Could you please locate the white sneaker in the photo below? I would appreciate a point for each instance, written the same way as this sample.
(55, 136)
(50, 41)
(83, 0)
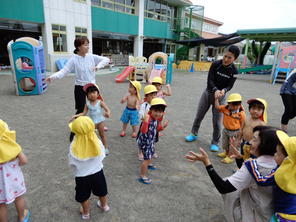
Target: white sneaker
(107, 151)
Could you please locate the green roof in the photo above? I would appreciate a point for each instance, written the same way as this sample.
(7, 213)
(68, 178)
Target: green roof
(274, 34)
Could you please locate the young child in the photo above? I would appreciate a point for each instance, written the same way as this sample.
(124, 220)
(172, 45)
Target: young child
(157, 82)
(86, 154)
(150, 92)
(147, 135)
(12, 185)
(130, 113)
(258, 117)
(233, 119)
(97, 110)
(283, 178)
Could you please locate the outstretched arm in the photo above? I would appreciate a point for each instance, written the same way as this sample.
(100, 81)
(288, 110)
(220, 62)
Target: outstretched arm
(169, 90)
(221, 185)
(107, 113)
(85, 110)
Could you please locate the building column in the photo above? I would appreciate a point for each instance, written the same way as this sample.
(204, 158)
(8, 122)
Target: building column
(139, 39)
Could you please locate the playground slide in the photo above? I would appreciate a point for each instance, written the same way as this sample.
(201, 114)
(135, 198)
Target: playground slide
(125, 73)
(155, 73)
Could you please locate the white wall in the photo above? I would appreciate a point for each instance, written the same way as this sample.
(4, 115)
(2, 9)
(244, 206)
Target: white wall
(71, 14)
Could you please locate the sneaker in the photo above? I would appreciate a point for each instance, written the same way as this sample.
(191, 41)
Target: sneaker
(107, 151)
(227, 160)
(222, 155)
(214, 148)
(190, 138)
(104, 209)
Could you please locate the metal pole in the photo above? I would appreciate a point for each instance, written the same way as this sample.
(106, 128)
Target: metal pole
(190, 18)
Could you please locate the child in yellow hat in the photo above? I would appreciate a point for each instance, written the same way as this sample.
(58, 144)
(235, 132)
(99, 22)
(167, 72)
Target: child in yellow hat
(283, 178)
(96, 109)
(131, 113)
(233, 119)
(258, 117)
(147, 136)
(86, 154)
(12, 184)
(157, 82)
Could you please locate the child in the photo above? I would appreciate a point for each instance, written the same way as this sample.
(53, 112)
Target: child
(258, 117)
(147, 135)
(95, 106)
(233, 119)
(157, 82)
(130, 113)
(86, 154)
(283, 179)
(12, 185)
(150, 92)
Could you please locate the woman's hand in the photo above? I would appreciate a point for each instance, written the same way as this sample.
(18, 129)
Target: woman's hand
(202, 156)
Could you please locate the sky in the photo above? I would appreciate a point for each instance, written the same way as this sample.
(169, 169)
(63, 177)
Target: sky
(250, 14)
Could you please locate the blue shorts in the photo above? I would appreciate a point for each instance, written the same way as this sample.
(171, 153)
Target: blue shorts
(130, 115)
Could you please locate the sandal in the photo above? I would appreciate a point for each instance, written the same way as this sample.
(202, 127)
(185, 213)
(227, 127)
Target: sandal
(27, 217)
(134, 135)
(151, 167)
(122, 134)
(155, 156)
(84, 216)
(145, 180)
(104, 209)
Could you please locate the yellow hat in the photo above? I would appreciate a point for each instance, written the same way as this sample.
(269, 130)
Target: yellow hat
(157, 80)
(234, 97)
(9, 149)
(285, 176)
(138, 87)
(158, 101)
(149, 89)
(86, 143)
(263, 101)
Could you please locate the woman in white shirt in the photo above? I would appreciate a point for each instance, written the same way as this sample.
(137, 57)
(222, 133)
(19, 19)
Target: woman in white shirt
(243, 199)
(84, 65)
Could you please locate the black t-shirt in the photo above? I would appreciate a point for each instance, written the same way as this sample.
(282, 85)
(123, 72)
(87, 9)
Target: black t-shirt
(221, 77)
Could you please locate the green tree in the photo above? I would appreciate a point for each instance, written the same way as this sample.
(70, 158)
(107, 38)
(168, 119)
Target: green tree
(257, 52)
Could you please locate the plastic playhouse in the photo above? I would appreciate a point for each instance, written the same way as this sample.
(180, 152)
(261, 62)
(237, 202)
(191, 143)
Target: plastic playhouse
(160, 64)
(28, 66)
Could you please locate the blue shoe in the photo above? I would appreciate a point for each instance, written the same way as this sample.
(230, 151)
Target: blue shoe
(190, 138)
(151, 167)
(214, 148)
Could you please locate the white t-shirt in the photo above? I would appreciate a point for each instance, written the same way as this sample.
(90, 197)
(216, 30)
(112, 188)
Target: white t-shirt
(87, 167)
(145, 107)
(83, 67)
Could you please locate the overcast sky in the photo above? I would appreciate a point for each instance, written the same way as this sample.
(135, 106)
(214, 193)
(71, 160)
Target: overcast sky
(250, 14)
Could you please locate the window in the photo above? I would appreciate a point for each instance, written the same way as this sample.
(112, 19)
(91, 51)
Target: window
(108, 4)
(97, 2)
(159, 9)
(59, 37)
(125, 6)
(119, 5)
(82, 1)
(79, 32)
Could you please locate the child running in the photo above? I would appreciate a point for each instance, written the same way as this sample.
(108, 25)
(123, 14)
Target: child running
(258, 117)
(131, 113)
(283, 178)
(147, 135)
(233, 119)
(12, 184)
(150, 92)
(157, 82)
(86, 154)
(97, 110)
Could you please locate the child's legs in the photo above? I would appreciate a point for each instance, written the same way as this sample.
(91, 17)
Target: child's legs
(103, 201)
(225, 141)
(99, 187)
(20, 207)
(3, 213)
(100, 126)
(124, 126)
(85, 207)
(144, 168)
(135, 129)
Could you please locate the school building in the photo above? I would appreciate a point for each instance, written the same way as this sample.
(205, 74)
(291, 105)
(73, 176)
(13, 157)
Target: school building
(115, 27)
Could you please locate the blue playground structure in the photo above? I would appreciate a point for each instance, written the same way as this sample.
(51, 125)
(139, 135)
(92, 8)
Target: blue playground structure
(169, 75)
(28, 66)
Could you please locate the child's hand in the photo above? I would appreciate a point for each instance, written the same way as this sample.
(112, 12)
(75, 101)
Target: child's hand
(233, 152)
(95, 69)
(22, 159)
(48, 80)
(107, 114)
(165, 124)
(72, 118)
(202, 156)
